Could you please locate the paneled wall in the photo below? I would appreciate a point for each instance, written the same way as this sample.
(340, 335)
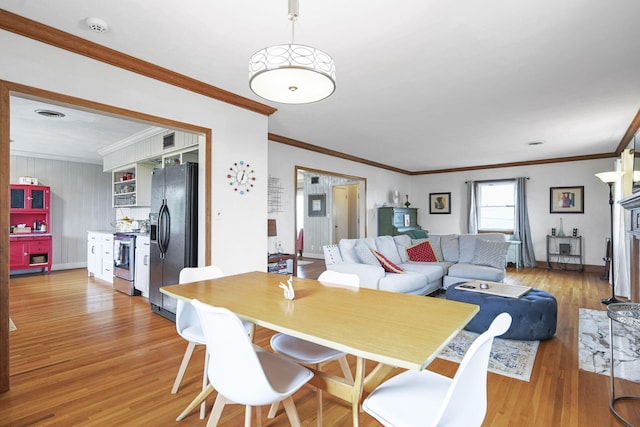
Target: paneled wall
(80, 201)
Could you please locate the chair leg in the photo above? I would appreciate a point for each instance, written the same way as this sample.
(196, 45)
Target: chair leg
(216, 412)
(183, 366)
(346, 371)
(247, 416)
(292, 413)
(258, 416)
(195, 402)
(205, 382)
(319, 403)
(273, 410)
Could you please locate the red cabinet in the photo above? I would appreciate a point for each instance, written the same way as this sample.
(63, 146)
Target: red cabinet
(27, 252)
(29, 198)
(30, 227)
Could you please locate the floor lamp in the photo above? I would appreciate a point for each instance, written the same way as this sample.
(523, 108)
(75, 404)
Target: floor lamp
(610, 178)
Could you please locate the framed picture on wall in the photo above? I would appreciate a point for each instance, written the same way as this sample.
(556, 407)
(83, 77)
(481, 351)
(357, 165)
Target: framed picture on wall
(317, 205)
(566, 199)
(439, 203)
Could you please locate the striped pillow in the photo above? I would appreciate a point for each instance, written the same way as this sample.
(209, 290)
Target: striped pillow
(388, 266)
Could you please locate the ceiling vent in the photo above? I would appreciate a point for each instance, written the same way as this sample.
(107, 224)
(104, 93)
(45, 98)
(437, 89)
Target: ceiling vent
(97, 25)
(51, 114)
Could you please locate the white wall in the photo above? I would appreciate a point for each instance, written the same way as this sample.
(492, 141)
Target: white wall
(593, 225)
(239, 235)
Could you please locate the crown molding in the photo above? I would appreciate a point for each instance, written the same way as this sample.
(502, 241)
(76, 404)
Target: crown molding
(63, 40)
(303, 145)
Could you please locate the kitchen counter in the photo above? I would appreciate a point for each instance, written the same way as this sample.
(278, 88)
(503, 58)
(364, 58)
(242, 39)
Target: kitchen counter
(18, 235)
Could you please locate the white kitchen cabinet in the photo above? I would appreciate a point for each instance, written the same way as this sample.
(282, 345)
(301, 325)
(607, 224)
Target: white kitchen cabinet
(106, 272)
(132, 185)
(180, 157)
(100, 255)
(94, 254)
(141, 282)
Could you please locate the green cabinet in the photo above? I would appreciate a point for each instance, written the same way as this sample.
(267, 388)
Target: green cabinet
(393, 221)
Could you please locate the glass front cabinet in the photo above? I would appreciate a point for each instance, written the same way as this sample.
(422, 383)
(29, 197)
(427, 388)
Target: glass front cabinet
(30, 243)
(29, 198)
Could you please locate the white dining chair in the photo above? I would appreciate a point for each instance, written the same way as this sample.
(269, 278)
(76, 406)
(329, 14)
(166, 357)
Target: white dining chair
(188, 324)
(309, 353)
(425, 398)
(245, 374)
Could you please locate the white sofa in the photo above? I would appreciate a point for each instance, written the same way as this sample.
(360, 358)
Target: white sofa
(462, 260)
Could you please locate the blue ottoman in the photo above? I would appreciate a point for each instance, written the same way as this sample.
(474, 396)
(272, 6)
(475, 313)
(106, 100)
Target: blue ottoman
(534, 315)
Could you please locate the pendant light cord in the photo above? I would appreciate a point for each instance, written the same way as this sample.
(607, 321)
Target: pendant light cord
(293, 17)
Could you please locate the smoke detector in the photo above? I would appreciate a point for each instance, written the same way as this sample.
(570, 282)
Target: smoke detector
(97, 25)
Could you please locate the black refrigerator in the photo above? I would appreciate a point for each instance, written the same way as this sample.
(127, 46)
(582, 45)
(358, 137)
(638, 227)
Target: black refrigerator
(174, 231)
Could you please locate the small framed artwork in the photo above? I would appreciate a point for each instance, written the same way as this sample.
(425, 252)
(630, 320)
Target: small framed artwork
(439, 203)
(317, 205)
(566, 199)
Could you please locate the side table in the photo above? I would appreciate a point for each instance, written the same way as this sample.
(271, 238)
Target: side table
(517, 245)
(627, 314)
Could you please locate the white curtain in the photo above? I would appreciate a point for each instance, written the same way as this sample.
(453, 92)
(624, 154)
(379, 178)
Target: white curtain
(620, 251)
(472, 222)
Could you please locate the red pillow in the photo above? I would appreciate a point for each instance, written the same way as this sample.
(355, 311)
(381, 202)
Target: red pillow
(388, 266)
(422, 252)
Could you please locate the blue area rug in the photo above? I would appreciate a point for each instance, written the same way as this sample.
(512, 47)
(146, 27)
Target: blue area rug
(511, 358)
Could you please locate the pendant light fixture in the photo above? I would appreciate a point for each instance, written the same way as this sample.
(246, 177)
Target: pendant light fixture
(292, 73)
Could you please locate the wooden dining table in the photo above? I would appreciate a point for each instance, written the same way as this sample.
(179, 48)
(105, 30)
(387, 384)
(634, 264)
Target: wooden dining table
(393, 329)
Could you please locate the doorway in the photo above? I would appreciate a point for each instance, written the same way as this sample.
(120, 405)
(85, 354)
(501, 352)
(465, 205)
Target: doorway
(345, 212)
(329, 206)
(8, 89)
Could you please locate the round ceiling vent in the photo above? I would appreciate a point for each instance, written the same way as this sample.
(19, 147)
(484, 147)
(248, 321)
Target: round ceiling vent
(50, 113)
(97, 25)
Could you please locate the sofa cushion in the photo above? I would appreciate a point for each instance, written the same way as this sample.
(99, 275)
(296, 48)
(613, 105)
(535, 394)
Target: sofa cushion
(476, 272)
(422, 252)
(402, 241)
(388, 266)
(407, 283)
(467, 247)
(449, 246)
(491, 253)
(347, 250)
(364, 254)
(433, 270)
(386, 245)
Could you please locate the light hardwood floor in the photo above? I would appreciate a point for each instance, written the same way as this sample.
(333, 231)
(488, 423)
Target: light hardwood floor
(86, 355)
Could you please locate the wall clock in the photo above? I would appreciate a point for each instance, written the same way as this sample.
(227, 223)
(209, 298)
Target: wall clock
(241, 177)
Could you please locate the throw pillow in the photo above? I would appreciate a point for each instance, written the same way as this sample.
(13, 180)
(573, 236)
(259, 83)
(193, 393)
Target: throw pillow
(422, 252)
(417, 234)
(492, 253)
(388, 266)
(364, 253)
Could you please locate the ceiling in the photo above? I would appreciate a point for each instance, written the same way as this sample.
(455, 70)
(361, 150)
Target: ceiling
(421, 84)
(78, 136)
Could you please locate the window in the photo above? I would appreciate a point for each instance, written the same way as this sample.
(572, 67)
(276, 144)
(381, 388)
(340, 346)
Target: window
(495, 201)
